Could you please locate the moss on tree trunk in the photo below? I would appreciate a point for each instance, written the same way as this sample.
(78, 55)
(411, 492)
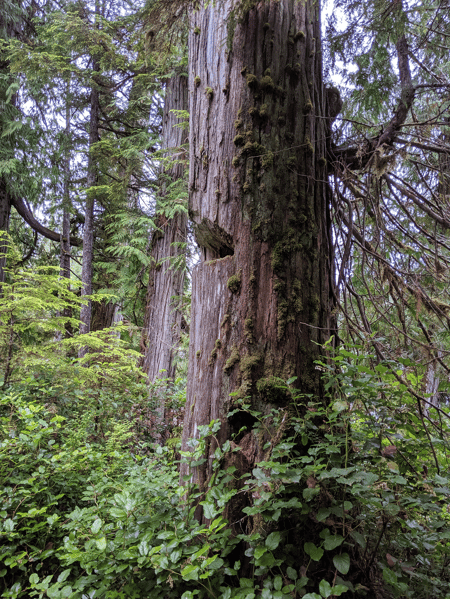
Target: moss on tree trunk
(259, 200)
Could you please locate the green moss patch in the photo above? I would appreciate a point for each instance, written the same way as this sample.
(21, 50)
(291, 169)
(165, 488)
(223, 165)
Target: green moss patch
(232, 360)
(272, 389)
(234, 282)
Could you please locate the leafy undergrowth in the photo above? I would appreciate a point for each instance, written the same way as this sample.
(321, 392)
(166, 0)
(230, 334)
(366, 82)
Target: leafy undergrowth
(351, 500)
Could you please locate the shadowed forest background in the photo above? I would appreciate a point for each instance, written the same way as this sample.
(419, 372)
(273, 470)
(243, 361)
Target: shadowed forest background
(224, 299)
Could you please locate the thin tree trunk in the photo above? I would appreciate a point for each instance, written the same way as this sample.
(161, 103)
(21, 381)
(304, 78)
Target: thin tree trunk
(162, 325)
(259, 199)
(88, 231)
(432, 378)
(64, 260)
(65, 241)
(5, 214)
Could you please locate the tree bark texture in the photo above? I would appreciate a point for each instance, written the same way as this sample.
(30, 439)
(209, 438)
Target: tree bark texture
(162, 324)
(104, 315)
(259, 200)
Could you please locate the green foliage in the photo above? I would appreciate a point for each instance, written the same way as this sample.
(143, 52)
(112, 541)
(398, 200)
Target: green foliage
(31, 312)
(46, 463)
(324, 511)
(40, 358)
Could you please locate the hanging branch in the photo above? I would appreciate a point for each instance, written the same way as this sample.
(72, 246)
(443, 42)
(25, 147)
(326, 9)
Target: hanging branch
(28, 217)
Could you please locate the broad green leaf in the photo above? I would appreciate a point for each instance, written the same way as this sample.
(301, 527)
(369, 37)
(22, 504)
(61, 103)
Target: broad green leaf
(34, 578)
(301, 583)
(209, 510)
(8, 525)
(389, 576)
(267, 560)
(64, 574)
(201, 551)
(143, 548)
(308, 494)
(342, 563)
(340, 406)
(273, 540)
(213, 563)
(96, 526)
(358, 538)
(440, 480)
(278, 583)
(339, 589)
(399, 480)
(323, 514)
(190, 572)
(117, 513)
(315, 553)
(325, 588)
(260, 551)
(333, 541)
(393, 466)
(54, 592)
(175, 555)
(291, 573)
(101, 543)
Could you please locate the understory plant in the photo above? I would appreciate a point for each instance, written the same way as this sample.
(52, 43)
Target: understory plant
(347, 501)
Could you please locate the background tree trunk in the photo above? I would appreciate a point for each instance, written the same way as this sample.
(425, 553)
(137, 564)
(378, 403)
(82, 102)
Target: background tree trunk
(88, 230)
(5, 214)
(64, 260)
(162, 325)
(259, 199)
(65, 241)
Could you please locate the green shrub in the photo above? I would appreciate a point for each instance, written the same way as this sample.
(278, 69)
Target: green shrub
(326, 513)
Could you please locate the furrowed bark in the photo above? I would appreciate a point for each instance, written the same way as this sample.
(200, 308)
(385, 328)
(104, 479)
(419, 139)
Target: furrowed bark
(162, 324)
(259, 200)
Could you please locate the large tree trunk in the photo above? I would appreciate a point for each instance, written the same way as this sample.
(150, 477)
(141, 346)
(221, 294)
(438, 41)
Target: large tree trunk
(162, 325)
(259, 199)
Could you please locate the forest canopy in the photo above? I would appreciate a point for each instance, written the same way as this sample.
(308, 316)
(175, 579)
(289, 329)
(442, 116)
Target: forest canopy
(224, 299)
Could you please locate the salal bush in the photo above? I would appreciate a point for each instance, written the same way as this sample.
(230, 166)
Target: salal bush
(331, 510)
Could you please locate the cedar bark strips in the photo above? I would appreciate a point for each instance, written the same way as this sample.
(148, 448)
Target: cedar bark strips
(162, 324)
(259, 200)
